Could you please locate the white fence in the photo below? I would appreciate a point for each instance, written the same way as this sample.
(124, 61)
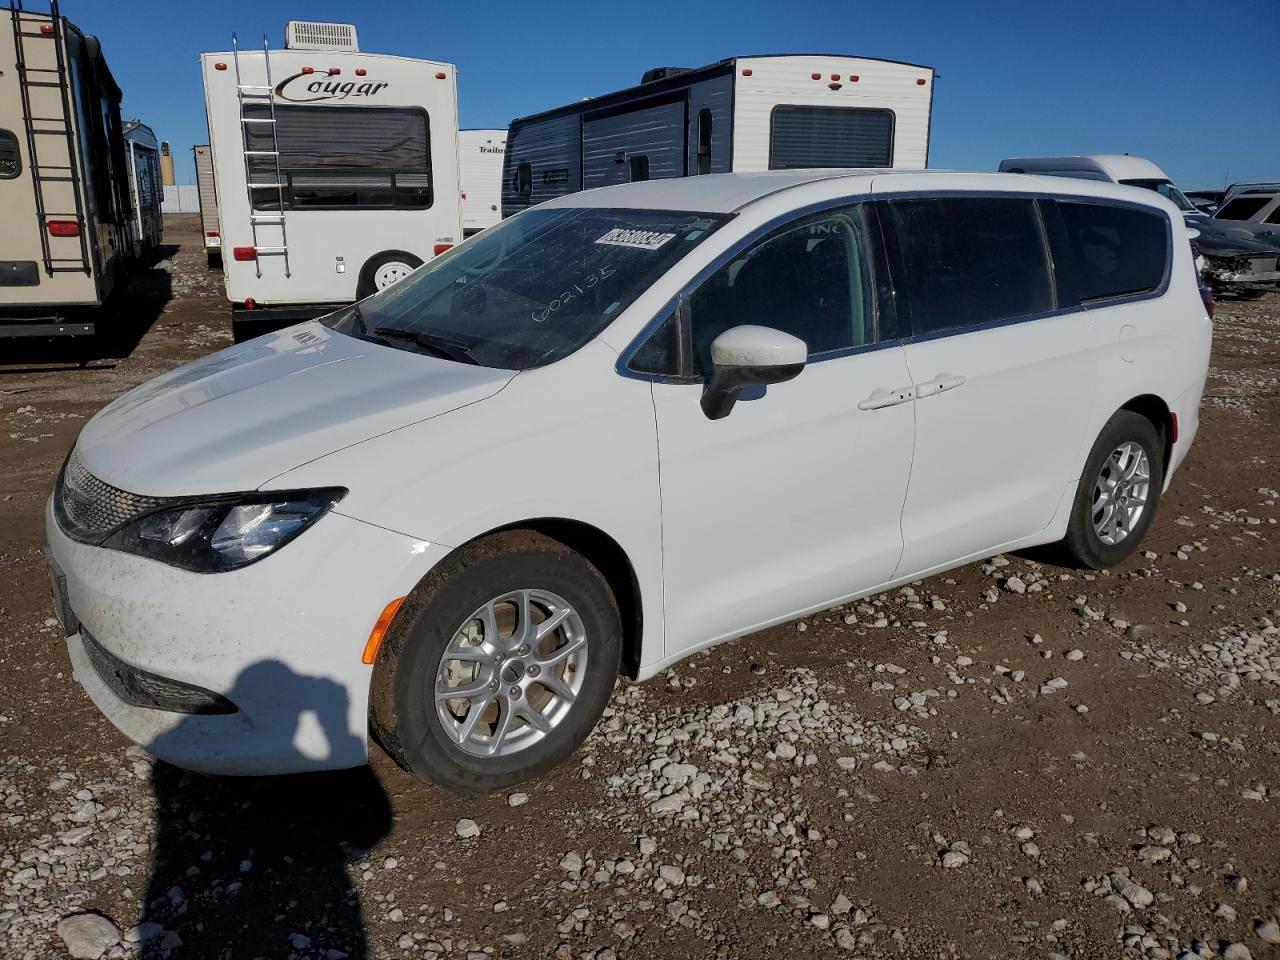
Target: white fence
(182, 198)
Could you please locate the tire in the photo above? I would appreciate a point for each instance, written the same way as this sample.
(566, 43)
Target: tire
(1084, 544)
(373, 276)
(430, 738)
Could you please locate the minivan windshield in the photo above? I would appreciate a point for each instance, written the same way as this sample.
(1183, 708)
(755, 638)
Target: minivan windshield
(530, 290)
(1166, 189)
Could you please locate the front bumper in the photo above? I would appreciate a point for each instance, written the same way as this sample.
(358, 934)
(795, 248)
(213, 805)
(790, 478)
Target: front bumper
(280, 640)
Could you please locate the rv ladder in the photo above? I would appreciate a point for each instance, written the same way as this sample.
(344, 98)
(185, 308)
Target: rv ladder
(262, 93)
(59, 126)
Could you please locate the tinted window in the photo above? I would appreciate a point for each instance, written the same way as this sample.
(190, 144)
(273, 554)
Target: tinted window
(10, 159)
(639, 168)
(532, 289)
(1115, 250)
(1274, 216)
(341, 157)
(1241, 208)
(809, 279)
(830, 137)
(969, 260)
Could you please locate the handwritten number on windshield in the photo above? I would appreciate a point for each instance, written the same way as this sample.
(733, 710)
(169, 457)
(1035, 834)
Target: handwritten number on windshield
(568, 296)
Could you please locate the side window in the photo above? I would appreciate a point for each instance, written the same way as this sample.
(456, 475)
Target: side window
(1116, 251)
(524, 178)
(639, 168)
(1273, 217)
(1241, 208)
(969, 260)
(809, 279)
(10, 159)
(704, 141)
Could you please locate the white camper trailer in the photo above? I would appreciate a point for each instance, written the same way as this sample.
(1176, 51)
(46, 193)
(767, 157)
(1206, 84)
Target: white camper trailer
(66, 230)
(480, 170)
(208, 197)
(143, 155)
(741, 114)
(336, 171)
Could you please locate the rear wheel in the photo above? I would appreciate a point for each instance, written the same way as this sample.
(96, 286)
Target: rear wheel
(1116, 500)
(385, 270)
(499, 665)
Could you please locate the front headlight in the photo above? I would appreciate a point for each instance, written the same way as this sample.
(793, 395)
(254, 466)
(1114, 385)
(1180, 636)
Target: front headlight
(224, 534)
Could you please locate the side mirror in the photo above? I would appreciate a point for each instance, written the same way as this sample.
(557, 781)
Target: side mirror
(749, 356)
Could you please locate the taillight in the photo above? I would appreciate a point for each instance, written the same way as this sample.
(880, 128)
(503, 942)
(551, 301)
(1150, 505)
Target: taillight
(63, 228)
(46, 29)
(1210, 304)
(441, 248)
(244, 253)
(250, 303)
(211, 233)
(1173, 427)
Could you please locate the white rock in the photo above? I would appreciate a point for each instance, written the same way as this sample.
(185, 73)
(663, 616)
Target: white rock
(571, 862)
(466, 829)
(672, 874)
(88, 935)
(517, 799)
(1268, 931)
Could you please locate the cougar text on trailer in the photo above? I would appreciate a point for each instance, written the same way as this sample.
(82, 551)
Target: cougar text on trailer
(741, 114)
(336, 171)
(65, 218)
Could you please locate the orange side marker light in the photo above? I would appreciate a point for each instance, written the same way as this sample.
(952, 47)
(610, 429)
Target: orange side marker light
(380, 630)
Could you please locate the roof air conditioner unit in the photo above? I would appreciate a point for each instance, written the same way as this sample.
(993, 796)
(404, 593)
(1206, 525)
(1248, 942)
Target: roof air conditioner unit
(309, 35)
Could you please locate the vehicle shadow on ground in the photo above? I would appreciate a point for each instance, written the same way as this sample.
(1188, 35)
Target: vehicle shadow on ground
(121, 323)
(257, 866)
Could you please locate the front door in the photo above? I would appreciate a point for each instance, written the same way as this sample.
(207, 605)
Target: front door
(793, 501)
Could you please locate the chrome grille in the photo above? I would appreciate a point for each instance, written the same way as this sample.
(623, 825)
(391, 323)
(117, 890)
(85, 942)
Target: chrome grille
(90, 508)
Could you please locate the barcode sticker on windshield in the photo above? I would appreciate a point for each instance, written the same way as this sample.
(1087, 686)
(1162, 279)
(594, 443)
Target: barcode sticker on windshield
(640, 239)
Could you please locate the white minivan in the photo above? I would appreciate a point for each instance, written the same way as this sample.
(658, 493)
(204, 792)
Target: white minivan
(610, 431)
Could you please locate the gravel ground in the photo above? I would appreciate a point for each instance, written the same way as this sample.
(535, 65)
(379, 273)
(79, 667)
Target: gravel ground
(1013, 760)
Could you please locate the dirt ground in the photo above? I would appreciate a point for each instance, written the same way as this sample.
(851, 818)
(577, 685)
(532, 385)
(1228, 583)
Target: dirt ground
(1013, 760)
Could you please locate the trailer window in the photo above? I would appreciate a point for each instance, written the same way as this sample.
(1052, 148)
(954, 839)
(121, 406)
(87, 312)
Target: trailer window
(639, 168)
(341, 158)
(10, 159)
(830, 137)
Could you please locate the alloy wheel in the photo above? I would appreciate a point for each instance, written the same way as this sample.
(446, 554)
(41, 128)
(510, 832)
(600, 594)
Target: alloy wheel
(511, 673)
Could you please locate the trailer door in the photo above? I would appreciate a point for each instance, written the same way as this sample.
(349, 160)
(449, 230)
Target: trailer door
(647, 143)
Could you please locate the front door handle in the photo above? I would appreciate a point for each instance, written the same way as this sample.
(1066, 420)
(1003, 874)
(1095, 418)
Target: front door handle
(884, 397)
(940, 383)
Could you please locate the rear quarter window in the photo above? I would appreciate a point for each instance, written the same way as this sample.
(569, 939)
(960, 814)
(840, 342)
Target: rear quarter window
(1114, 251)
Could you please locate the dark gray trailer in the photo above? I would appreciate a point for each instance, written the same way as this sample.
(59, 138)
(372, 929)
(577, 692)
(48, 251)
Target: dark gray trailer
(744, 113)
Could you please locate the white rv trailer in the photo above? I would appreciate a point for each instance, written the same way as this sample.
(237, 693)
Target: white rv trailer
(336, 171)
(208, 197)
(143, 159)
(480, 170)
(65, 218)
(774, 112)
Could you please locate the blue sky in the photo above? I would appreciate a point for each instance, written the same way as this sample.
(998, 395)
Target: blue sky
(1194, 86)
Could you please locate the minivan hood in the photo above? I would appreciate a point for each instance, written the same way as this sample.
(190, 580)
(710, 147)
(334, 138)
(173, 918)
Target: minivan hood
(235, 419)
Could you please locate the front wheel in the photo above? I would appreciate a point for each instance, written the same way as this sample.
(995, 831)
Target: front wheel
(1119, 489)
(499, 665)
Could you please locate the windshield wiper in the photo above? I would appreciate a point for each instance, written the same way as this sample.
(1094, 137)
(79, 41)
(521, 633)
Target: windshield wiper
(431, 342)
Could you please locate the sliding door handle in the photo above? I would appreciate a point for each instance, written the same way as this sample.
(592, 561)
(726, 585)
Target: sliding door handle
(940, 383)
